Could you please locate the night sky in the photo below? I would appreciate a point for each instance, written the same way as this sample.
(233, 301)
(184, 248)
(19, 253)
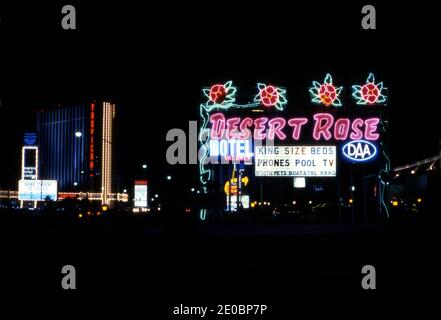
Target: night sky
(153, 62)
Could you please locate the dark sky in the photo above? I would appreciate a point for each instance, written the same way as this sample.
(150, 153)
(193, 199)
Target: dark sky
(153, 61)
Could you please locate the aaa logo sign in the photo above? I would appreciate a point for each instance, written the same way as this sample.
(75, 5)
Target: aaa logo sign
(359, 150)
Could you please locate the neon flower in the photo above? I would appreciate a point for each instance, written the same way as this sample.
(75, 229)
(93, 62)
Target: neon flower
(218, 93)
(369, 93)
(271, 96)
(221, 93)
(326, 93)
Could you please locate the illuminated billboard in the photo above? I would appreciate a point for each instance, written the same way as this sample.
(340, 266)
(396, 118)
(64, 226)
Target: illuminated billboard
(296, 161)
(141, 194)
(37, 190)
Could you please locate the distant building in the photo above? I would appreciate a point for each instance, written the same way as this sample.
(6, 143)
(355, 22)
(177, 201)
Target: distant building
(76, 146)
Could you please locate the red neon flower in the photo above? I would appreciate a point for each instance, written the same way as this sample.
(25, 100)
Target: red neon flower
(218, 92)
(327, 94)
(269, 96)
(370, 93)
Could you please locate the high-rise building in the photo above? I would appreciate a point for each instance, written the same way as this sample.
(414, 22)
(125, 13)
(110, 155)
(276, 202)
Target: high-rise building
(76, 147)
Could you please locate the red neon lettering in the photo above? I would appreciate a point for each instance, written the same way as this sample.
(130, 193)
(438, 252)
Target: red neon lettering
(341, 129)
(259, 129)
(371, 127)
(320, 128)
(276, 126)
(356, 134)
(245, 133)
(296, 124)
(217, 125)
(232, 128)
(92, 140)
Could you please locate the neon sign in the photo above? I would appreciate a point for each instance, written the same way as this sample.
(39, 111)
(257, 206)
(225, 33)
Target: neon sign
(271, 96)
(92, 141)
(221, 93)
(29, 163)
(213, 102)
(30, 138)
(230, 186)
(359, 150)
(325, 126)
(369, 93)
(223, 136)
(231, 150)
(326, 93)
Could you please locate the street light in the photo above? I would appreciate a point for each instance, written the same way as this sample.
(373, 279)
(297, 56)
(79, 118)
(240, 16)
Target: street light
(78, 134)
(144, 166)
(169, 178)
(192, 189)
(75, 184)
(156, 195)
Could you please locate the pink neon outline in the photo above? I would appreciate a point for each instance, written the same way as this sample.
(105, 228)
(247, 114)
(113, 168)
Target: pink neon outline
(275, 127)
(259, 127)
(356, 134)
(217, 125)
(319, 129)
(232, 127)
(245, 133)
(341, 123)
(296, 124)
(371, 127)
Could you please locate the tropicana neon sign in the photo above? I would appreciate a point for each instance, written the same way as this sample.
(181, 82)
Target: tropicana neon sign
(325, 126)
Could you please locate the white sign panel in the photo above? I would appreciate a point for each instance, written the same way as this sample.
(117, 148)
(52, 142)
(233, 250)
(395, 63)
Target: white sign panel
(141, 196)
(245, 199)
(295, 161)
(37, 190)
(299, 182)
